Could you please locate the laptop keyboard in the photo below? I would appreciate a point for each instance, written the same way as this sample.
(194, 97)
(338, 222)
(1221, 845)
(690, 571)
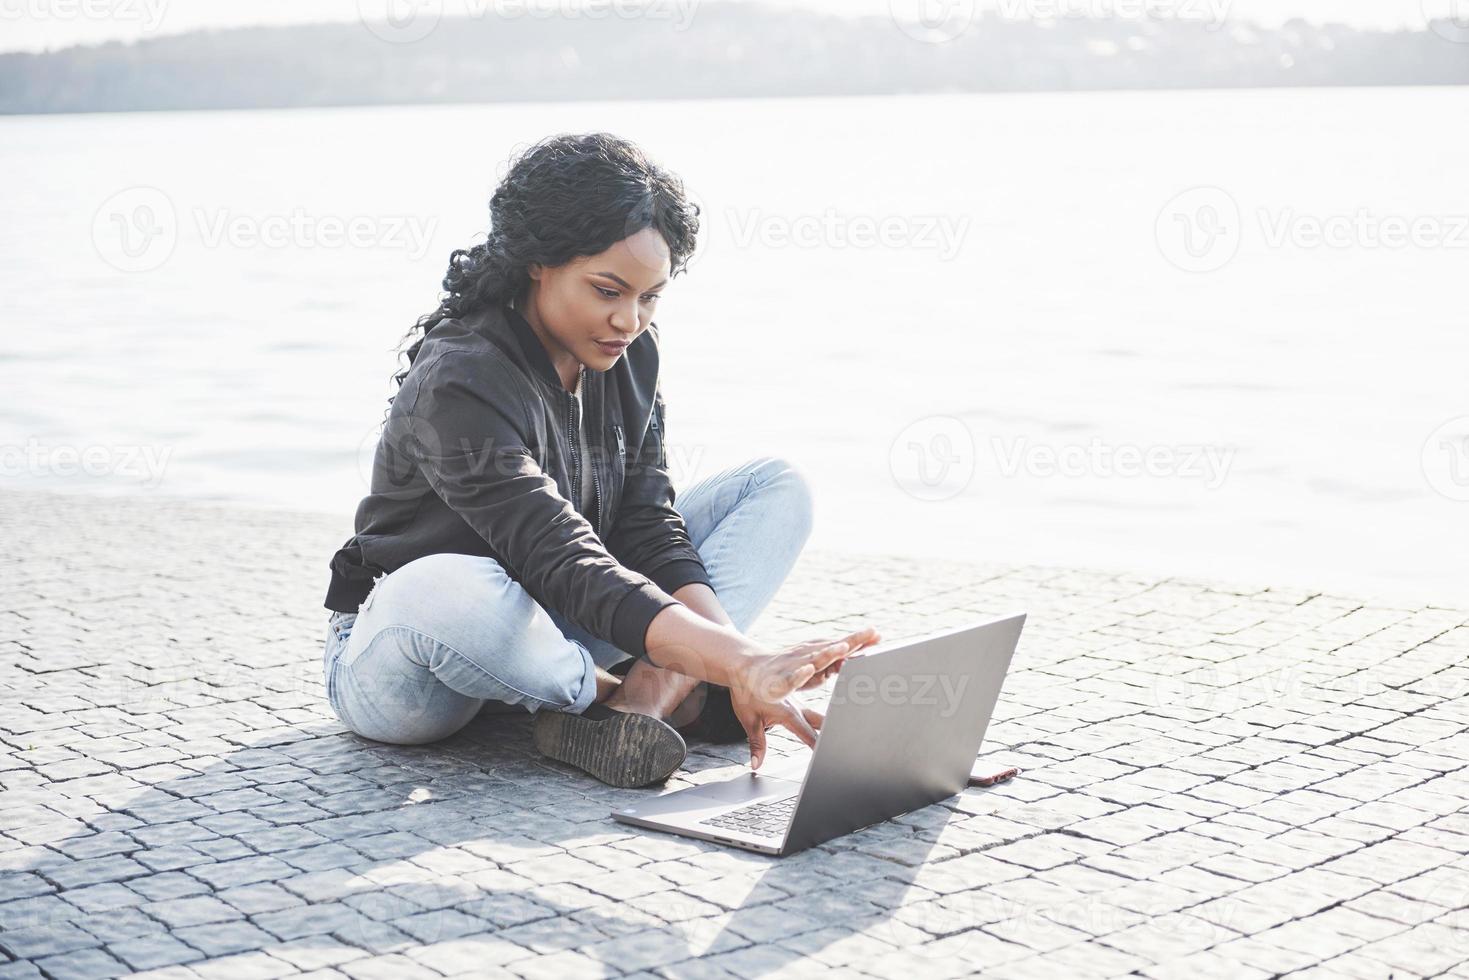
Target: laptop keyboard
(767, 818)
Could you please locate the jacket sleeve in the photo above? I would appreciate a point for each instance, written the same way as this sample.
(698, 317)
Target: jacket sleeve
(649, 534)
(470, 434)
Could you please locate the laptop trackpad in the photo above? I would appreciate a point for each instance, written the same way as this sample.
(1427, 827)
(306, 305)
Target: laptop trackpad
(745, 789)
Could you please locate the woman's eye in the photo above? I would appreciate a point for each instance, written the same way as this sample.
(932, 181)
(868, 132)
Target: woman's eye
(613, 294)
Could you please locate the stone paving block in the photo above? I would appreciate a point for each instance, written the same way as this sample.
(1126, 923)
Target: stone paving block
(219, 938)
(242, 871)
(1220, 780)
(196, 910)
(262, 897)
(153, 952)
(83, 964)
(36, 941)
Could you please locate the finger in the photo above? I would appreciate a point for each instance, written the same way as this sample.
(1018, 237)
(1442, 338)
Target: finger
(793, 720)
(864, 637)
(825, 657)
(813, 718)
(757, 745)
(802, 674)
(819, 678)
(783, 683)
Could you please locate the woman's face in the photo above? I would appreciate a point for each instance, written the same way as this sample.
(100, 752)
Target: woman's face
(587, 311)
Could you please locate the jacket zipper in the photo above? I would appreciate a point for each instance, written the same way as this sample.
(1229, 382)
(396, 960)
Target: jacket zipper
(573, 422)
(662, 457)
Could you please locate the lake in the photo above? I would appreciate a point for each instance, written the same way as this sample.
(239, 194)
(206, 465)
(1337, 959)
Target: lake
(1205, 334)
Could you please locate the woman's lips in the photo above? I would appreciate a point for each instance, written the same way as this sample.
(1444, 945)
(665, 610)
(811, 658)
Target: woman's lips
(613, 349)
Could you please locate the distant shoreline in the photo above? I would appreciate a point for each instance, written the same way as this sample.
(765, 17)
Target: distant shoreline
(789, 97)
(727, 52)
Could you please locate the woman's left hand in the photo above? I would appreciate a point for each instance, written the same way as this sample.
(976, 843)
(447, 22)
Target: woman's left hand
(758, 717)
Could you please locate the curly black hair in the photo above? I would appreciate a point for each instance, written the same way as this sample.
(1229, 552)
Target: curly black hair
(562, 198)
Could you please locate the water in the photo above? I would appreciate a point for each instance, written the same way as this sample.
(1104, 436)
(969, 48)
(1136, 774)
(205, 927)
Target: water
(1027, 302)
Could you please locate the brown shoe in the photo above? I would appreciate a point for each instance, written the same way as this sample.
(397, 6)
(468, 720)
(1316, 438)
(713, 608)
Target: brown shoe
(621, 748)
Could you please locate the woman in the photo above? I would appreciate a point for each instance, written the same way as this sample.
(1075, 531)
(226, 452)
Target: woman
(519, 541)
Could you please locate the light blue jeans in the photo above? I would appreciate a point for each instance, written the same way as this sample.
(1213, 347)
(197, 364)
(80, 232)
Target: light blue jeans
(445, 636)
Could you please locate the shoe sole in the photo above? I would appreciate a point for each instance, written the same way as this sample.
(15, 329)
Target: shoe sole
(620, 748)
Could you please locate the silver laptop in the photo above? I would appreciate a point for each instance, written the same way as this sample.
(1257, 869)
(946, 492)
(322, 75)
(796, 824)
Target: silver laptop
(905, 721)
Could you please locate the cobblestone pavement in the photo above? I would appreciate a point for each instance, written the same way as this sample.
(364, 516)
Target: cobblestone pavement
(1220, 780)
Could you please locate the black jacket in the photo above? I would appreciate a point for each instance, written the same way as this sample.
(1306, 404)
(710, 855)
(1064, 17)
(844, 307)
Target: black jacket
(479, 457)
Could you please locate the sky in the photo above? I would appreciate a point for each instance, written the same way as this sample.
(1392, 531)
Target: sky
(48, 24)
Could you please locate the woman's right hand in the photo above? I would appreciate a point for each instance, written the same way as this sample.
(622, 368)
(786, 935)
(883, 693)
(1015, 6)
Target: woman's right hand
(762, 695)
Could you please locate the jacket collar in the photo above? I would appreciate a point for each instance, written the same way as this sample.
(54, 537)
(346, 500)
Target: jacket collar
(532, 348)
